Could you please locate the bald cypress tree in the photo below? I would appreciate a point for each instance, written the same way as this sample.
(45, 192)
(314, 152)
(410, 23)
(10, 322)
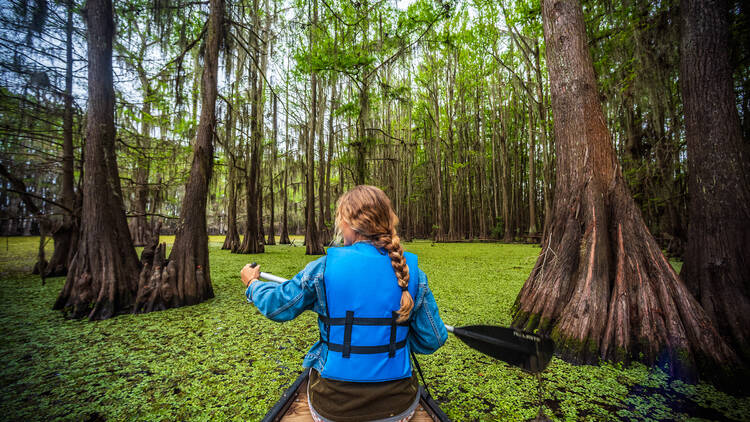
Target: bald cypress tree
(601, 286)
(186, 278)
(103, 275)
(717, 260)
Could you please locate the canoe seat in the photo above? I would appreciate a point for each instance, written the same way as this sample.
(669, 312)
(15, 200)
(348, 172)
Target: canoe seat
(299, 411)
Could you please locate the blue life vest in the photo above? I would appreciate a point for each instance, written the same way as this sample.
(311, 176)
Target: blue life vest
(365, 344)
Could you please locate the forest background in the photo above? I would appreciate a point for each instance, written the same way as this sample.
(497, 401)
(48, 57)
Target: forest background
(443, 105)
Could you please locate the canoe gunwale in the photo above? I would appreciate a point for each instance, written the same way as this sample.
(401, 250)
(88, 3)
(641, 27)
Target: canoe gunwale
(282, 405)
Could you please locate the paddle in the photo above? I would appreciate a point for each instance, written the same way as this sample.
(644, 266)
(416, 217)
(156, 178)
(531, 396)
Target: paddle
(527, 351)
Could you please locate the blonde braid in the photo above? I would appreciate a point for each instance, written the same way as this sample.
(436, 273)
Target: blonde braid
(367, 210)
(392, 244)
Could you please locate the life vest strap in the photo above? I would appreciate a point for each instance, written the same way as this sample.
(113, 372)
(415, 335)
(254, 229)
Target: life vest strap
(392, 340)
(348, 334)
(346, 349)
(366, 350)
(361, 321)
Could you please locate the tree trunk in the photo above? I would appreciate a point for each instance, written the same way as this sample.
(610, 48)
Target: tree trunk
(103, 276)
(363, 141)
(261, 230)
(532, 175)
(140, 230)
(495, 171)
(313, 245)
(452, 171)
(437, 178)
(65, 235)
(505, 185)
(186, 278)
(480, 133)
(547, 161)
(331, 140)
(251, 241)
(601, 287)
(324, 233)
(717, 261)
(274, 151)
(232, 239)
(284, 238)
(260, 115)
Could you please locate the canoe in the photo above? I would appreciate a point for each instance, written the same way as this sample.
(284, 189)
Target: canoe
(293, 407)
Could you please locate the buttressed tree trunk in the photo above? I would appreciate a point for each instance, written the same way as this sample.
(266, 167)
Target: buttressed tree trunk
(186, 279)
(601, 288)
(717, 262)
(103, 275)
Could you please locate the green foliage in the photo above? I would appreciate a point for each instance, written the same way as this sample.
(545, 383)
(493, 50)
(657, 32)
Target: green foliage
(222, 360)
(499, 229)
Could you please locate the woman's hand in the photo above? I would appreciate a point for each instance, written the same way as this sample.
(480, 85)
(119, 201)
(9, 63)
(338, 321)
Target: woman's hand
(249, 274)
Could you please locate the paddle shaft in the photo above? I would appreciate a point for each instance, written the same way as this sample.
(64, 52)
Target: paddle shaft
(271, 277)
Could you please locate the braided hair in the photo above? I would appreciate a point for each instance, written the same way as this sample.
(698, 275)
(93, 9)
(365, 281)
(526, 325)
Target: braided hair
(367, 210)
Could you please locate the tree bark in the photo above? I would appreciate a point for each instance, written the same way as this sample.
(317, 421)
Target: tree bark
(437, 179)
(532, 176)
(363, 137)
(140, 230)
(261, 125)
(364, 141)
(601, 287)
(480, 133)
(284, 238)
(103, 276)
(331, 140)
(717, 261)
(451, 150)
(313, 245)
(232, 239)
(65, 235)
(324, 234)
(505, 184)
(493, 157)
(274, 151)
(186, 278)
(547, 161)
(251, 242)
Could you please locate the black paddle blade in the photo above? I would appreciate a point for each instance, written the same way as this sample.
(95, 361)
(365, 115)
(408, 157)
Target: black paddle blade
(527, 351)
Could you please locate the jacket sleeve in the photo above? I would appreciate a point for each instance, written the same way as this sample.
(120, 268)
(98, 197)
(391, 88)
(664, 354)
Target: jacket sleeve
(426, 331)
(284, 301)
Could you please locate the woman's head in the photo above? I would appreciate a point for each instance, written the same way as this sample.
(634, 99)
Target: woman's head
(367, 212)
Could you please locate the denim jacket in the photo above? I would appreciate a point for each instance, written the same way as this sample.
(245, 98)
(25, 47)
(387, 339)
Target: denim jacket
(306, 291)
